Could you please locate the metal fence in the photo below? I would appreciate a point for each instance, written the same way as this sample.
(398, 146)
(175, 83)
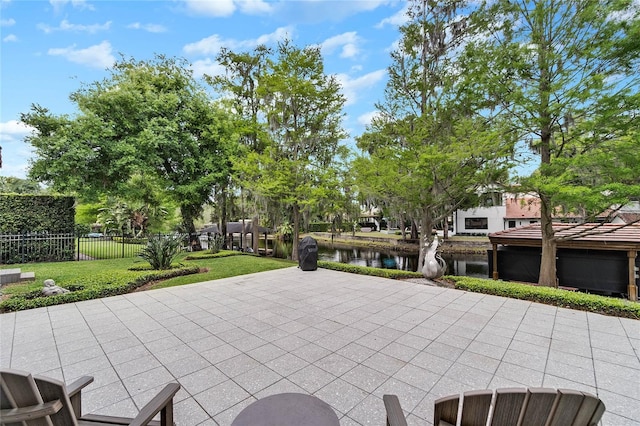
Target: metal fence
(48, 247)
(36, 247)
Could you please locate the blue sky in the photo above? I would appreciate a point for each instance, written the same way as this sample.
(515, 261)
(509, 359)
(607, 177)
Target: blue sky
(50, 48)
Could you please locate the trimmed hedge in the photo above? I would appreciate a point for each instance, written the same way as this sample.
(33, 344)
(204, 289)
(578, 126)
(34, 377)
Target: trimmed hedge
(35, 218)
(95, 287)
(208, 255)
(367, 270)
(36, 213)
(550, 296)
(127, 240)
(320, 227)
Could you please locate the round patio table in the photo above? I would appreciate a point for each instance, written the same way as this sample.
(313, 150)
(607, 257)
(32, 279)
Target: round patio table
(283, 409)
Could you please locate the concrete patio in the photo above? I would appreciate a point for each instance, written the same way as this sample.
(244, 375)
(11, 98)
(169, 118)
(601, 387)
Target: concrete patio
(347, 339)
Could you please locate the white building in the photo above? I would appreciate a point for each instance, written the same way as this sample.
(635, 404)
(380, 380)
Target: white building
(512, 212)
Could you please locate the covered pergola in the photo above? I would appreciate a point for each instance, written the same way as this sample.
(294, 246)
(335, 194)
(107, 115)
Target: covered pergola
(239, 228)
(586, 236)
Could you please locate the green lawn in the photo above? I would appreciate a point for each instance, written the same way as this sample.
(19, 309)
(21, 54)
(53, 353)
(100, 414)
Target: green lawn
(99, 278)
(224, 267)
(98, 248)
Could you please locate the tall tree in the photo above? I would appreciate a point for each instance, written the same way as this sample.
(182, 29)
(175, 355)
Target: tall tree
(240, 86)
(565, 75)
(303, 111)
(16, 185)
(430, 149)
(147, 116)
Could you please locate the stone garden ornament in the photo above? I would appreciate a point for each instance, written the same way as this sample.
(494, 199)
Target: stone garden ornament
(434, 265)
(51, 289)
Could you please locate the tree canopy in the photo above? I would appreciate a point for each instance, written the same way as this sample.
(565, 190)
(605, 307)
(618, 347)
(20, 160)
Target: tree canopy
(563, 76)
(430, 149)
(149, 118)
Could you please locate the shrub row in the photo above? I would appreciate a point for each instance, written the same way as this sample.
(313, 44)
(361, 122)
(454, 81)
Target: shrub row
(547, 295)
(320, 227)
(36, 213)
(550, 296)
(367, 270)
(208, 255)
(127, 240)
(34, 218)
(94, 287)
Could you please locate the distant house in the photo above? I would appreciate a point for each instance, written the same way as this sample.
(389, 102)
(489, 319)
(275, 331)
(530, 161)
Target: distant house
(629, 213)
(513, 211)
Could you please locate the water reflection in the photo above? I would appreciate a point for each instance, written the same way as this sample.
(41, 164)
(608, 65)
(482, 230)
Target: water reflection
(473, 265)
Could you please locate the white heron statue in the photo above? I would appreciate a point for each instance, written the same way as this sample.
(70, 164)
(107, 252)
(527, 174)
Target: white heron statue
(434, 265)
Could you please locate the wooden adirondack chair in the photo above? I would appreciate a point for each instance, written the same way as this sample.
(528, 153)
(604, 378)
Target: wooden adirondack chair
(38, 401)
(509, 407)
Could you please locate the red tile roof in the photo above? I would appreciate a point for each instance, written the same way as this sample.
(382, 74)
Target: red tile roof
(522, 208)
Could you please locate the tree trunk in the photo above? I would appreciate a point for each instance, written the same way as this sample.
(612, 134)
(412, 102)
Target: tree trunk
(255, 235)
(445, 232)
(223, 216)
(425, 238)
(188, 215)
(414, 229)
(296, 232)
(548, 260)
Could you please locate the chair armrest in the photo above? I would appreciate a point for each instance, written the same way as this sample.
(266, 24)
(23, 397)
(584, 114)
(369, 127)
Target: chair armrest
(75, 395)
(16, 415)
(163, 401)
(78, 385)
(395, 416)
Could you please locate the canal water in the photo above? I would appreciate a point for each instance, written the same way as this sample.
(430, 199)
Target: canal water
(472, 265)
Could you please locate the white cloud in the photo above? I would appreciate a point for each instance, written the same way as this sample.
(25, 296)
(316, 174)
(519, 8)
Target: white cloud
(207, 66)
(58, 5)
(208, 46)
(254, 7)
(15, 153)
(352, 86)
(10, 38)
(348, 42)
(366, 118)
(396, 20)
(211, 7)
(223, 8)
(7, 22)
(67, 26)
(322, 10)
(152, 28)
(211, 45)
(97, 56)
(14, 131)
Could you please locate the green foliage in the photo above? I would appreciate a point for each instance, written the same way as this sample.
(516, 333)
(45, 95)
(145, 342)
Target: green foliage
(320, 227)
(550, 296)
(36, 213)
(14, 185)
(367, 270)
(148, 118)
(161, 250)
(87, 213)
(208, 255)
(89, 287)
(215, 243)
(567, 85)
(28, 215)
(126, 240)
(293, 159)
(433, 144)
